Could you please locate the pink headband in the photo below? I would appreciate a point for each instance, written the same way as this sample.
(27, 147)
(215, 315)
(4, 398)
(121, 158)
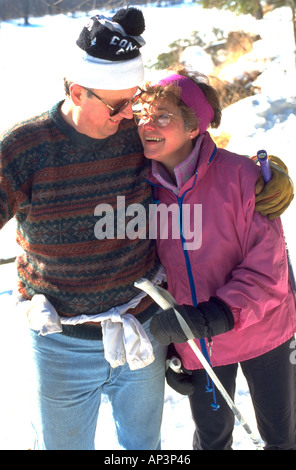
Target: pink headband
(194, 98)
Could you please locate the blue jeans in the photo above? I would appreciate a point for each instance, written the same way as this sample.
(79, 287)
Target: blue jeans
(72, 374)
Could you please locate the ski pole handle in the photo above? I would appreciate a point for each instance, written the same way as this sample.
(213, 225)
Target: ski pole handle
(175, 364)
(264, 163)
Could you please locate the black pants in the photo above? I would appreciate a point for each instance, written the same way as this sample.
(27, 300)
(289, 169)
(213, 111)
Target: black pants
(272, 383)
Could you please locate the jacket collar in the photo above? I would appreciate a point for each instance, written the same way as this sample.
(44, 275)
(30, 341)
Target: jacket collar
(197, 162)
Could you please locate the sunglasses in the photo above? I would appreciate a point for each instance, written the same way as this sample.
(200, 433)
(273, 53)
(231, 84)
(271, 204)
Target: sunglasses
(113, 110)
(161, 120)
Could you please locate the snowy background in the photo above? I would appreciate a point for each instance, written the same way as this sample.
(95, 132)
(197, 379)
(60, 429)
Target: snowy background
(32, 62)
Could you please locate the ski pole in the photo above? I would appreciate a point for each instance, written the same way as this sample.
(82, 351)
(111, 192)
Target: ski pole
(267, 175)
(166, 301)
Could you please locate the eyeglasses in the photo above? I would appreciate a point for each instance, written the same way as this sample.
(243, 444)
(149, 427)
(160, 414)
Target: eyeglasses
(117, 109)
(161, 120)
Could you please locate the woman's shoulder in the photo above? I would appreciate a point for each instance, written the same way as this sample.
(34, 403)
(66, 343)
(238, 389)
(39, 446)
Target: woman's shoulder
(237, 163)
(229, 160)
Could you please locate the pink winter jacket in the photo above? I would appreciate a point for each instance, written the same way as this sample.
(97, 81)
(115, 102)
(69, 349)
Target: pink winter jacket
(235, 254)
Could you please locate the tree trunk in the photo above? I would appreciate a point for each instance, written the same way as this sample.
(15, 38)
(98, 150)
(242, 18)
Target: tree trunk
(258, 13)
(26, 12)
(292, 4)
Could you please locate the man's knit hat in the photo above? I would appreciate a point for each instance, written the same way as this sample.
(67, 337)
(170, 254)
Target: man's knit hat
(108, 54)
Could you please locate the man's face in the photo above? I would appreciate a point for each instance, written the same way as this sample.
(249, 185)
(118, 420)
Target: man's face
(93, 116)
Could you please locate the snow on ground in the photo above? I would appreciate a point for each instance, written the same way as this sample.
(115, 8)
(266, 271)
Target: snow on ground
(32, 59)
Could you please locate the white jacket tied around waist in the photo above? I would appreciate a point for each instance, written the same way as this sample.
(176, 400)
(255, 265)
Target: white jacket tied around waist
(124, 338)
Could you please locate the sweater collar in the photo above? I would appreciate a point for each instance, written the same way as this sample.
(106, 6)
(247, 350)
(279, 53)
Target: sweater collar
(74, 136)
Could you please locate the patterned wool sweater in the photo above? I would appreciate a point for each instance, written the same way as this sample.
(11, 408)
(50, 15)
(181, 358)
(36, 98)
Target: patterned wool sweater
(51, 179)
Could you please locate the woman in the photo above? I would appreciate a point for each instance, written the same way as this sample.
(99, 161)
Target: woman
(227, 269)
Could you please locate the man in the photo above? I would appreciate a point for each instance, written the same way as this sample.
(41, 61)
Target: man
(72, 177)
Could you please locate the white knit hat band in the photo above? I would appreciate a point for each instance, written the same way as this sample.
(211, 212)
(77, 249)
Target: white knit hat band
(101, 74)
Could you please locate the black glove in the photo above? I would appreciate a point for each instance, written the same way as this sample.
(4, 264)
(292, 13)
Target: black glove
(206, 320)
(179, 381)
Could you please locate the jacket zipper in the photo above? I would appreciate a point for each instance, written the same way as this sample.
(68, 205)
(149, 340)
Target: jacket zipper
(205, 352)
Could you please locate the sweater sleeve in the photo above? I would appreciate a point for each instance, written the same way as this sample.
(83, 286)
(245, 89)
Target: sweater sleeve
(17, 166)
(259, 283)
(7, 195)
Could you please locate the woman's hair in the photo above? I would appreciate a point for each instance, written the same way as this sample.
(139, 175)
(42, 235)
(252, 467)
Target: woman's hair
(67, 84)
(172, 93)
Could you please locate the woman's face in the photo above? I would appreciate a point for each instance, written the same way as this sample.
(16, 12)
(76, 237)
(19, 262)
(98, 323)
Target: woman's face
(171, 144)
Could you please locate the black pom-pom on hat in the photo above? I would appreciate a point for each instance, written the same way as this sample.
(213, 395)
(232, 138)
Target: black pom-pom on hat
(131, 19)
(117, 39)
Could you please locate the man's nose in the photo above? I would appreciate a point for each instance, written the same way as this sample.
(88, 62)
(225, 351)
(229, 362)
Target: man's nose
(128, 111)
(149, 122)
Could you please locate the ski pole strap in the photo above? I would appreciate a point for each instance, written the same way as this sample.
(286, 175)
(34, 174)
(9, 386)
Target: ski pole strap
(210, 387)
